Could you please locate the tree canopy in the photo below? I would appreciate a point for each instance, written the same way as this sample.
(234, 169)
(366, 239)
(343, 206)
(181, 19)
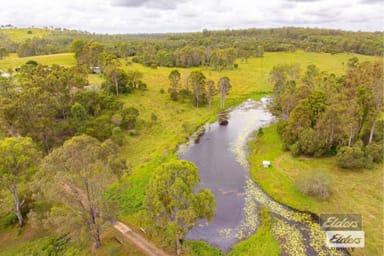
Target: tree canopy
(172, 203)
(18, 158)
(81, 170)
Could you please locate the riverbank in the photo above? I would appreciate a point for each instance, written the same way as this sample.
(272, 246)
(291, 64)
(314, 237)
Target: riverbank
(352, 191)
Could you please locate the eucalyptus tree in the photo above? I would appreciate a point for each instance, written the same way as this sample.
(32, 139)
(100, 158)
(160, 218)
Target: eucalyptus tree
(211, 91)
(224, 87)
(172, 203)
(197, 82)
(80, 172)
(18, 157)
(174, 79)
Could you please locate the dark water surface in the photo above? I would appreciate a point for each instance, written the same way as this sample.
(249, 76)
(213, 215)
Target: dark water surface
(222, 173)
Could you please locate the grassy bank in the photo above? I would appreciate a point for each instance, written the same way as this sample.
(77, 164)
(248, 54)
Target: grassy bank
(353, 191)
(262, 242)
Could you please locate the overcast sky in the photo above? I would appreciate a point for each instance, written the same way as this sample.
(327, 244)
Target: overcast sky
(150, 16)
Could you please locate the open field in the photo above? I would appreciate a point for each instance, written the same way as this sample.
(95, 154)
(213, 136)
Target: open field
(21, 34)
(155, 142)
(12, 61)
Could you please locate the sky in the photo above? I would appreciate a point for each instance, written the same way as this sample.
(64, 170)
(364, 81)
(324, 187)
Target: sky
(158, 16)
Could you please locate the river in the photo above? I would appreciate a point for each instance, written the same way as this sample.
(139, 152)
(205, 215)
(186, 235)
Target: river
(221, 156)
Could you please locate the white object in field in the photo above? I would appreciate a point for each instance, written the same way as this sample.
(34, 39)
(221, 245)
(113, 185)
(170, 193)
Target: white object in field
(266, 164)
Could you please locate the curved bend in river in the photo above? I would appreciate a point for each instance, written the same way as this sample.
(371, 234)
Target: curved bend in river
(221, 156)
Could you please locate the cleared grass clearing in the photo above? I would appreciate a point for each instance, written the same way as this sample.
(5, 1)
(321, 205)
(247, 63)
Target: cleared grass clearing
(21, 34)
(353, 191)
(63, 59)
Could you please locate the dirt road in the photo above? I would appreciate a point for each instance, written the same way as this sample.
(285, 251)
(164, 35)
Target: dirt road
(145, 246)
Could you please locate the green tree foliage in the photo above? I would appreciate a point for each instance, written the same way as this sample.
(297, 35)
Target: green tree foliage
(196, 80)
(39, 106)
(190, 57)
(120, 81)
(102, 114)
(224, 87)
(165, 58)
(352, 157)
(3, 52)
(169, 49)
(87, 53)
(114, 75)
(130, 115)
(18, 159)
(172, 203)
(324, 112)
(174, 79)
(39, 46)
(77, 46)
(310, 75)
(79, 115)
(283, 77)
(310, 144)
(375, 151)
(222, 59)
(79, 173)
(211, 91)
(97, 103)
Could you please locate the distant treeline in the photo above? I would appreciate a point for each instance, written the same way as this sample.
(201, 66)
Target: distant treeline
(215, 48)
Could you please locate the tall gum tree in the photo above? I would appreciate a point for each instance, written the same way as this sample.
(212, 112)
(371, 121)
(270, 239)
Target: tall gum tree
(81, 170)
(18, 156)
(171, 201)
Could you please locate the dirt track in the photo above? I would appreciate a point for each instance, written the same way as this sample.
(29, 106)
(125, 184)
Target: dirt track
(147, 247)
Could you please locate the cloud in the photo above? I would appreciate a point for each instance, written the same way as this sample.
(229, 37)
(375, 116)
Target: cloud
(371, 1)
(156, 16)
(326, 13)
(152, 4)
(303, 1)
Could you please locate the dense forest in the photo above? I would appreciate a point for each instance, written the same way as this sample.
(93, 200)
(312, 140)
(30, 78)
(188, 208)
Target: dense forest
(218, 49)
(325, 114)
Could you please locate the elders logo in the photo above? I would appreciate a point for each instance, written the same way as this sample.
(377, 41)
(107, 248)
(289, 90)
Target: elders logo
(343, 230)
(347, 222)
(345, 239)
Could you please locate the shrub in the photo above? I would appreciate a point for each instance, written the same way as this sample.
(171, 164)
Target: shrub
(130, 115)
(32, 62)
(142, 86)
(351, 157)
(310, 143)
(8, 220)
(315, 183)
(281, 125)
(153, 118)
(295, 149)
(375, 152)
(117, 136)
(260, 132)
(100, 127)
(174, 96)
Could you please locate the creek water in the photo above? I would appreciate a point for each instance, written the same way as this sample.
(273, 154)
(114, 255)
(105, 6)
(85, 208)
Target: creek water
(221, 156)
